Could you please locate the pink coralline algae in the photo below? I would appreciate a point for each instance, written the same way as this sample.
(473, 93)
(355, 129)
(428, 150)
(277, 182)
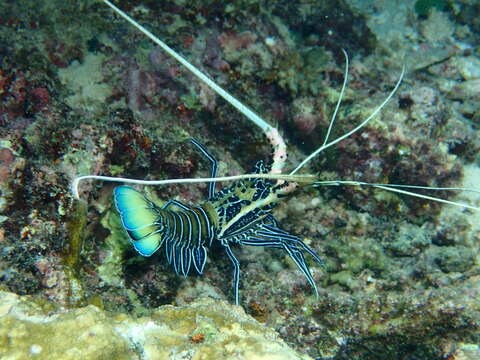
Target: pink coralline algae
(10, 166)
(142, 87)
(231, 41)
(6, 158)
(306, 115)
(13, 93)
(40, 98)
(62, 55)
(213, 54)
(145, 89)
(53, 279)
(19, 98)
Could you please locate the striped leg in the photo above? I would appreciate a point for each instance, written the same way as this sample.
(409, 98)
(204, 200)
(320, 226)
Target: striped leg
(174, 202)
(299, 259)
(270, 235)
(213, 173)
(194, 250)
(276, 233)
(294, 253)
(236, 271)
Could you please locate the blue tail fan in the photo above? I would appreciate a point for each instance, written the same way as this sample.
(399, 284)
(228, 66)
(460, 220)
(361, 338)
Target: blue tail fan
(140, 218)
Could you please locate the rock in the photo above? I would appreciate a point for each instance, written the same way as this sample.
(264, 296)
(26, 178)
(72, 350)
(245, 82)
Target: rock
(467, 89)
(205, 329)
(467, 352)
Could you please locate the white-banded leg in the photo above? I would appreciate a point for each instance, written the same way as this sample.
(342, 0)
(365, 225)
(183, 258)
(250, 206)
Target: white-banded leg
(273, 232)
(213, 172)
(270, 235)
(176, 203)
(236, 271)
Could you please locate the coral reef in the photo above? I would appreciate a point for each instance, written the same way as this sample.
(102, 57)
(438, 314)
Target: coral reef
(81, 92)
(205, 329)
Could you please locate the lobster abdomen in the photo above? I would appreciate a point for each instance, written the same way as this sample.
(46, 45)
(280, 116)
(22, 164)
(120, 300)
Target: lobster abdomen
(185, 232)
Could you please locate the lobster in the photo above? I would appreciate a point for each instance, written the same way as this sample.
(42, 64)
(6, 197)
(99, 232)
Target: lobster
(239, 214)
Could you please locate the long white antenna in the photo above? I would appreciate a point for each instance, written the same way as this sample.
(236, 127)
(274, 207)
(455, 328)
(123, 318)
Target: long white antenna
(266, 127)
(396, 188)
(305, 179)
(308, 179)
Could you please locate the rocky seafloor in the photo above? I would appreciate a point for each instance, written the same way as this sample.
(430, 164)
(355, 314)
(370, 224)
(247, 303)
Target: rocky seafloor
(82, 92)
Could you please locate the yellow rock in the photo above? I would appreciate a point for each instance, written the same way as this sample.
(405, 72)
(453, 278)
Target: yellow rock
(206, 329)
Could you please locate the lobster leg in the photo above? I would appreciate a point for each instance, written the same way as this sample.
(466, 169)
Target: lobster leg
(269, 235)
(236, 270)
(299, 259)
(213, 173)
(275, 232)
(174, 202)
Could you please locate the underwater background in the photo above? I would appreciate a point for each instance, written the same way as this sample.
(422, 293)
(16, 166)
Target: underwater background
(82, 92)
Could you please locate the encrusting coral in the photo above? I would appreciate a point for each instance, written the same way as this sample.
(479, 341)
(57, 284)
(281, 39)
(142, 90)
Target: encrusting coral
(202, 330)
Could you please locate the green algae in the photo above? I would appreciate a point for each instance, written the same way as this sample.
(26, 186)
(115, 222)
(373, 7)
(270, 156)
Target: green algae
(115, 245)
(455, 259)
(191, 101)
(76, 226)
(423, 7)
(396, 325)
(76, 230)
(110, 270)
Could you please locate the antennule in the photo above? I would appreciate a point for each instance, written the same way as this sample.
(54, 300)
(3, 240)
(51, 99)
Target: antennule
(358, 127)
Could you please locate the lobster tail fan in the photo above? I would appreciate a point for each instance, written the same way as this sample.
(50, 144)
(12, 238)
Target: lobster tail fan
(140, 218)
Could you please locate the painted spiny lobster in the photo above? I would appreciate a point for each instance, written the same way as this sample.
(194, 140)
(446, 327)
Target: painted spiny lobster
(239, 214)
